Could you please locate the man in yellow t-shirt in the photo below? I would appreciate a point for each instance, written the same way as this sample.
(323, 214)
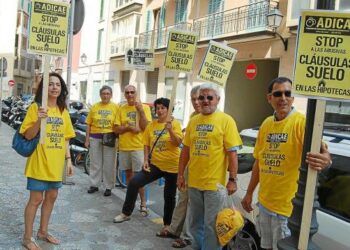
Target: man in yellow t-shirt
(210, 150)
(131, 136)
(277, 156)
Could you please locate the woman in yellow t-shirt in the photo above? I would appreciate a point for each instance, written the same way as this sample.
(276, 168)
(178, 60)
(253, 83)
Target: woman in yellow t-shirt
(161, 139)
(45, 166)
(102, 157)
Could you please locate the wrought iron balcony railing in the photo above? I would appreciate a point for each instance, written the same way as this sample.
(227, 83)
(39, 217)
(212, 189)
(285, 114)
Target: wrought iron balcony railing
(159, 38)
(241, 20)
(119, 46)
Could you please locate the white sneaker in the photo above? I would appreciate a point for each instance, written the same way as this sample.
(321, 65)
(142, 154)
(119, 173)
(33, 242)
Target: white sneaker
(121, 218)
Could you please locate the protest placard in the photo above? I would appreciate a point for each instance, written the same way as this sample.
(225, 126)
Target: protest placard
(180, 51)
(139, 59)
(217, 63)
(322, 66)
(48, 28)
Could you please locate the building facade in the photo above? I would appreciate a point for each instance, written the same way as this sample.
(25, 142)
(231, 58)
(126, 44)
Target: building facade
(242, 25)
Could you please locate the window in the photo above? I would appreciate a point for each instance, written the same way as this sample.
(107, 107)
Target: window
(344, 5)
(148, 34)
(179, 103)
(334, 188)
(161, 25)
(29, 65)
(101, 9)
(23, 63)
(181, 11)
(99, 42)
(96, 86)
(296, 6)
(215, 19)
(25, 21)
(24, 42)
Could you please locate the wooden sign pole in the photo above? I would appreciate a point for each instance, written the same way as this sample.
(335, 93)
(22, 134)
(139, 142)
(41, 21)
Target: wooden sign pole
(311, 176)
(46, 79)
(173, 96)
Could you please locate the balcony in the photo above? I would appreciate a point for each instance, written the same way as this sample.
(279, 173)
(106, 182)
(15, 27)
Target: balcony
(127, 6)
(238, 21)
(119, 46)
(158, 39)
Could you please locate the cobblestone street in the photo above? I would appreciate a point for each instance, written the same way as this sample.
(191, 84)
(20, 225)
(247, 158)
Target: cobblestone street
(79, 220)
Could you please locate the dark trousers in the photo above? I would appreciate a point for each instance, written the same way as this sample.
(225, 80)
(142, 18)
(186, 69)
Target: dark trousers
(143, 178)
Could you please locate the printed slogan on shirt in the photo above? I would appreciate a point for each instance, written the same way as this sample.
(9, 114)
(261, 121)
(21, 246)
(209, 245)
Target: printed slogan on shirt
(273, 157)
(48, 28)
(322, 67)
(180, 52)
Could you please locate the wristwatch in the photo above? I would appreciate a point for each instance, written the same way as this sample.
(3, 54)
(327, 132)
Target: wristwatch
(233, 179)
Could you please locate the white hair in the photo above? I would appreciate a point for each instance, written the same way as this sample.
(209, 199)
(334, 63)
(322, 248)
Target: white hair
(210, 86)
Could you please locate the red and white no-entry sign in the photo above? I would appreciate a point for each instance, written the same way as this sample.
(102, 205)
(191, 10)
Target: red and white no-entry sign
(251, 71)
(11, 83)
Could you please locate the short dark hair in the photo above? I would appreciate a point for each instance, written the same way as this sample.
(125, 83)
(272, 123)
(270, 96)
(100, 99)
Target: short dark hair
(278, 80)
(61, 99)
(104, 87)
(164, 101)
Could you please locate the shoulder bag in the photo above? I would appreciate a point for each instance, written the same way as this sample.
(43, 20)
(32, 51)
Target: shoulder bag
(154, 144)
(23, 146)
(108, 139)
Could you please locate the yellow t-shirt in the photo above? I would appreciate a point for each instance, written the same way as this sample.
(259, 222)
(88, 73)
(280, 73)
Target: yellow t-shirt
(127, 117)
(165, 154)
(209, 137)
(101, 117)
(278, 149)
(47, 161)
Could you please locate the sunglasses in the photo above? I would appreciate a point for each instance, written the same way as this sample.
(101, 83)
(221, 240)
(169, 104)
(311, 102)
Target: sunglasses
(129, 92)
(287, 93)
(208, 97)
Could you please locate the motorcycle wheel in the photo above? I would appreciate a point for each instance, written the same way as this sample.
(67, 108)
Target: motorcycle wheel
(121, 178)
(246, 239)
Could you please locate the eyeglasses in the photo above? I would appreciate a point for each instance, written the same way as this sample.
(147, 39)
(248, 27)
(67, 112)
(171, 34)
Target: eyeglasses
(129, 92)
(287, 93)
(208, 97)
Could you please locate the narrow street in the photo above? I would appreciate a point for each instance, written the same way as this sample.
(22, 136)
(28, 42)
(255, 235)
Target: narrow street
(79, 220)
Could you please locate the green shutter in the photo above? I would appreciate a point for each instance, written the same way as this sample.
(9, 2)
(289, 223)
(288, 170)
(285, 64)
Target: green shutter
(181, 11)
(101, 9)
(99, 42)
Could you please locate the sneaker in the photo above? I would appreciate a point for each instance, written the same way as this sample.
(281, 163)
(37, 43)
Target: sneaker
(108, 192)
(121, 218)
(92, 190)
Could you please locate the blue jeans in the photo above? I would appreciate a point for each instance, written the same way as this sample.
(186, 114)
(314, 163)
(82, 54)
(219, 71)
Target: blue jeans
(143, 178)
(204, 206)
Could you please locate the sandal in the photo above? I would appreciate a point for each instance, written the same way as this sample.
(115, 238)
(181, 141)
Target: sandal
(143, 211)
(180, 243)
(30, 244)
(48, 238)
(164, 233)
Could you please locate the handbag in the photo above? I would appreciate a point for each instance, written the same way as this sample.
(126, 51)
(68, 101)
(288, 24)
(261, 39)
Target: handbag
(23, 146)
(108, 139)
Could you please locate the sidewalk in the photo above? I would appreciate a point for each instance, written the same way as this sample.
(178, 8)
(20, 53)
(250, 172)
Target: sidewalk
(80, 220)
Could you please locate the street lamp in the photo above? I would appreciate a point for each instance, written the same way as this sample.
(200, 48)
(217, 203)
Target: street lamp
(83, 58)
(274, 19)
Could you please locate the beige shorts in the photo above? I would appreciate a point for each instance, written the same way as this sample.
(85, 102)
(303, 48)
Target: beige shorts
(131, 160)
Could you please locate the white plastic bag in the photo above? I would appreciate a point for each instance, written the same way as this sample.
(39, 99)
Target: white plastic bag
(229, 220)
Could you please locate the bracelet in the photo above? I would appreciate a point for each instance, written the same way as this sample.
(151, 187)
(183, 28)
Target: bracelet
(68, 158)
(233, 179)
